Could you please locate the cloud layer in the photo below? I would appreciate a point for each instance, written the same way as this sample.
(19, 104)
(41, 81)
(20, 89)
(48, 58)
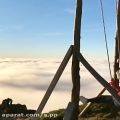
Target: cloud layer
(26, 80)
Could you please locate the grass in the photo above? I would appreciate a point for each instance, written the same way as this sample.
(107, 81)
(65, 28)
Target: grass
(95, 112)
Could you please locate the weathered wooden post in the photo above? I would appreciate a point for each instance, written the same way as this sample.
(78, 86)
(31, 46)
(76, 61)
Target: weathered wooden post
(75, 61)
(117, 44)
(116, 64)
(118, 25)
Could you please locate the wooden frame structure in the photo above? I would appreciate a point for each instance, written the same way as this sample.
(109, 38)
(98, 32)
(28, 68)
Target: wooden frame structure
(73, 50)
(116, 60)
(72, 110)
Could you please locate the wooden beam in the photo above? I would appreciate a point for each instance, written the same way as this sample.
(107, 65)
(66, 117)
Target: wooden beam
(84, 111)
(53, 83)
(100, 79)
(75, 62)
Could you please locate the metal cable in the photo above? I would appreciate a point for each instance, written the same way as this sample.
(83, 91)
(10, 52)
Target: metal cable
(104, 28)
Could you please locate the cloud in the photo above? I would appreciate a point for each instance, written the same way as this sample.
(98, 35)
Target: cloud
(70, 11)
(63, 86)
(18, 27)
(25, 79)
(11, 27)
(1, 29)
(52, 34)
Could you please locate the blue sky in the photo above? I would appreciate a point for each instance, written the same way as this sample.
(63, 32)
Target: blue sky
(44, 28)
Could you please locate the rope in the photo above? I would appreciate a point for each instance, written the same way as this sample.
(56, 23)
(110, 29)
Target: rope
(104, 28)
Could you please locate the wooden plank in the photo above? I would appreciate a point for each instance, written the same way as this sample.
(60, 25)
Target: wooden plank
(53, 83)
(99, 78)
(75, 62)
(84, 111)
(70, 111)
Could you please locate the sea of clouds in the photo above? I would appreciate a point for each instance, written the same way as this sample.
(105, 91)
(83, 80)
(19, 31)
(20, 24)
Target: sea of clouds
(26, 81)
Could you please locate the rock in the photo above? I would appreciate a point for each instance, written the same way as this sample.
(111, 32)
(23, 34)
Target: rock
(8, 108)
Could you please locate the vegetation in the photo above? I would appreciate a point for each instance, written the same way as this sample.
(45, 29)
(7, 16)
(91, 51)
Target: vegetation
(100, 111)
(54, 115)
(95, 112)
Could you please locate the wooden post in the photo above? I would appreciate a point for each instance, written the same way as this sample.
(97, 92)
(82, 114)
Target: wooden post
(75, 61)
(117, 44)
(116, 64)
(70, 111)
(118, 26)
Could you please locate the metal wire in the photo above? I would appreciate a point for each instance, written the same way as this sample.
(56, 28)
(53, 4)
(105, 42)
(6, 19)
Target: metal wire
(104, 28)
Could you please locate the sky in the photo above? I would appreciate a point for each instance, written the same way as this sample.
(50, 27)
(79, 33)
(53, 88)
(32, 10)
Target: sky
(44, 28)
